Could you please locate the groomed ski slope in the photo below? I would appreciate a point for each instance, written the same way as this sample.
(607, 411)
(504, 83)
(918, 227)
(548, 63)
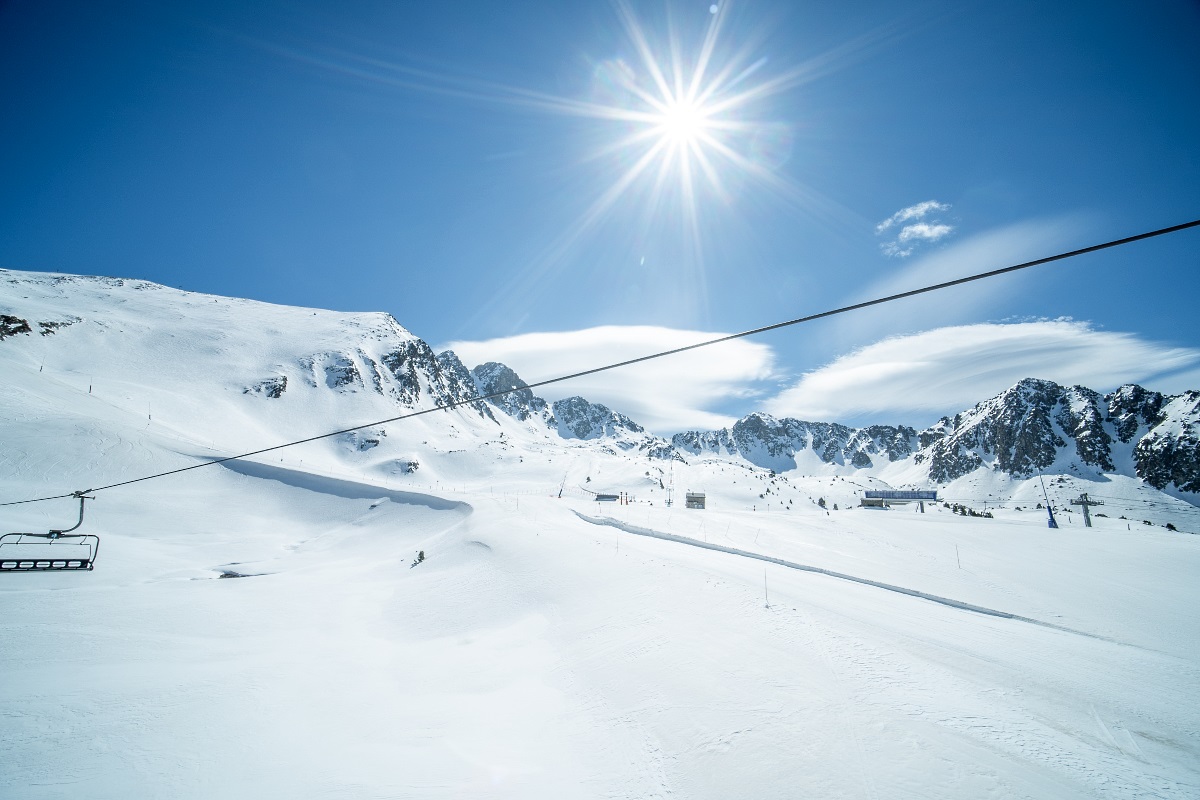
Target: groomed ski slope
(534, 654)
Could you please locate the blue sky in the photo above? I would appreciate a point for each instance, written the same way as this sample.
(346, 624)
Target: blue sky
(459, 165)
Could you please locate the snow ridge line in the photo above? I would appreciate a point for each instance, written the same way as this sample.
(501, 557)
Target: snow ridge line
(946, 601)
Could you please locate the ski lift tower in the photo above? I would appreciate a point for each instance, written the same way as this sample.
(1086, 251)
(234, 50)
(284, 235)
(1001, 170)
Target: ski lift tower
(1082, 500)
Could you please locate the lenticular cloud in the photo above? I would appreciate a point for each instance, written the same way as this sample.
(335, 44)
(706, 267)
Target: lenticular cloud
(948, 369)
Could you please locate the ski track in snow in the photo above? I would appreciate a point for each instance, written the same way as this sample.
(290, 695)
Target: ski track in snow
(946, 601)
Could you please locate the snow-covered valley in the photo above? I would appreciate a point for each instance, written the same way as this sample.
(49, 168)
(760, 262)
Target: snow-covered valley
(259, 628)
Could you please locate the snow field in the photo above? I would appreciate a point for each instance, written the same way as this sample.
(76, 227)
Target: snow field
(535, 654)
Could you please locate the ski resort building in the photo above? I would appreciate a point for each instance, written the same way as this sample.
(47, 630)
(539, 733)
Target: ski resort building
(885, 498)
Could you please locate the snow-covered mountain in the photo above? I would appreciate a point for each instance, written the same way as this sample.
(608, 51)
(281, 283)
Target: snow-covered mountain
(276, 368)
(1034, 426)
(784, 444)
(1038, 424)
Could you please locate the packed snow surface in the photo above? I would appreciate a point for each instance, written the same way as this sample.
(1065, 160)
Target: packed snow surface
(263, 628)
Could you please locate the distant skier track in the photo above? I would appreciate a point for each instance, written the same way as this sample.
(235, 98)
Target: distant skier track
(946, 601)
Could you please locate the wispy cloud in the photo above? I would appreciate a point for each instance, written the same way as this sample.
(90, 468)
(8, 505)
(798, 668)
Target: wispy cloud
(925, 231)
(666, 395)
(919, 211)
(978, 252)
(919, 231)
(914, 378)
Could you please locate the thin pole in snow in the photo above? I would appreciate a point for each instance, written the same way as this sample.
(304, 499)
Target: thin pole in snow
(766, 594)
(956, 557)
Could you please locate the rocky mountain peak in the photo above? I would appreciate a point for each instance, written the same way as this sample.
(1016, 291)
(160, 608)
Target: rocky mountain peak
(774, 443)
(579, 419)
(521, 405)
(1131, 407)
(1170, 452)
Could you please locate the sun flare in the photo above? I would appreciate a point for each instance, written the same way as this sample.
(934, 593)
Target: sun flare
(683, 122)
(688, 120)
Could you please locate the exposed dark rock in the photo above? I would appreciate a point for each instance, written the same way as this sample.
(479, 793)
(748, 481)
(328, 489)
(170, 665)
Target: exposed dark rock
(654, 447)
(341, 371)
(404, 363)
(1170, 453)
(934, 432)
(373, 371)
(1131, 407)
(579, 419)
(1014, 429)
(363, 441)
(774, 443)
(271, 387)
(11, 326)
(1081, 418)
(522, 404)
(453, 383)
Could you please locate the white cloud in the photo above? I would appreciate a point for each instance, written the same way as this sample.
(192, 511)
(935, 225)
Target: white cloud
(912, 212)
(664, 395)
(979, 252)
(905, 244)
(909, 378)
(925, 231)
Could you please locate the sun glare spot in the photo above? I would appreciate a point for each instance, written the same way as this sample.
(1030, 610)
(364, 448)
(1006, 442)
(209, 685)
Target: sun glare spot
(686, 128)
(690, 118)
(682, 122)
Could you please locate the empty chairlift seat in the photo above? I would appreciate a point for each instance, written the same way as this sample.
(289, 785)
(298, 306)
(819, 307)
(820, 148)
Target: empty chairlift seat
(37, 552)
(49, 552)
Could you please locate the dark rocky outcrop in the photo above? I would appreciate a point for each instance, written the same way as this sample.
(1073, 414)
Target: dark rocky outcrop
(1032, 426)
(1170, 452)
(271, 387)
(774, 443)
(521, 404)
(12, 326)
(579, 419)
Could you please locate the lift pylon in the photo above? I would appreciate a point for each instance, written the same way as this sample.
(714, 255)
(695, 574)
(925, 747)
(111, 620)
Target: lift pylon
(1083, 500)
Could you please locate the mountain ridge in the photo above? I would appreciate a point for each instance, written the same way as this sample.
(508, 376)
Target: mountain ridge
(1035, 425)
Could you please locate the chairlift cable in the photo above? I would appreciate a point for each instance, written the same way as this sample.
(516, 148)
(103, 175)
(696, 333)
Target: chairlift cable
(675, 351)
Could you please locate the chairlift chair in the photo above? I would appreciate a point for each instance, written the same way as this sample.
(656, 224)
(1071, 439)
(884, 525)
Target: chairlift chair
(55, 551)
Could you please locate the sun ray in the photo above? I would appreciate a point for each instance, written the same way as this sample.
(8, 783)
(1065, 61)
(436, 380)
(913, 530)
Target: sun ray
(706, 53)
(685, 123)
(634, 30)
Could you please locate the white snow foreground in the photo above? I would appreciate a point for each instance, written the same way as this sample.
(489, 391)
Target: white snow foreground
(532, 653)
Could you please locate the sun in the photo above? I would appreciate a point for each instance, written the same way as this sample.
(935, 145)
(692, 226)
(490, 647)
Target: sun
(687, 118)
(683, 122)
